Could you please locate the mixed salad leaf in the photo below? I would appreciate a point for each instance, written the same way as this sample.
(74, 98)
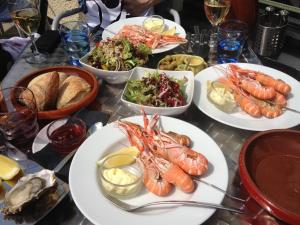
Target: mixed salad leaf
(118, 55)
(157, 89)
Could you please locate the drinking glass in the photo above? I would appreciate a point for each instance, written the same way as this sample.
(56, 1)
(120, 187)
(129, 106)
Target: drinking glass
(26, 17)
(74, 35)
(232, 35)
(18, 116)
(216, 11)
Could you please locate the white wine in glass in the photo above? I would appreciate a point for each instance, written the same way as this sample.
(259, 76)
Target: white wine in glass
(26, 16)
(216, 11)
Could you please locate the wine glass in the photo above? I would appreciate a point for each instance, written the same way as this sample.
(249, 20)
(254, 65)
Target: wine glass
(216, 11)
(18, 117)
(26, 17)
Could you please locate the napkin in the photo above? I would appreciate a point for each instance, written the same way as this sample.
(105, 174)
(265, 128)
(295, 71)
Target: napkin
(49, 158)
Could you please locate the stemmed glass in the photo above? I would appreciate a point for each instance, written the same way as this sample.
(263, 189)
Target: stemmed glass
(26, 16)
(216, 11)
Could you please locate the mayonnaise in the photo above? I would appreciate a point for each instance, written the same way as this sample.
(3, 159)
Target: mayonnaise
(118, 177)
(154, 24)
(221, 96)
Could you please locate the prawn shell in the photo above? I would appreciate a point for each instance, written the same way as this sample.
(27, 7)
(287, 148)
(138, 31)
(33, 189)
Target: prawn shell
(155, 184)
(175, 175)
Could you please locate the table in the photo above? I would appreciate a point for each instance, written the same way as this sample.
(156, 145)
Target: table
(228, 138)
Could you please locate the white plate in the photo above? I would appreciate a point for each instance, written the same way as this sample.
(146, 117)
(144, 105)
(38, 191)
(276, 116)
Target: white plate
(115, 27)
(85, 189)
(41, 139)
(241, 119)
(140, 72)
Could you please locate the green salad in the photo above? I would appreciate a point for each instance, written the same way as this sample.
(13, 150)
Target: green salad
(118, 55)
(157, 89)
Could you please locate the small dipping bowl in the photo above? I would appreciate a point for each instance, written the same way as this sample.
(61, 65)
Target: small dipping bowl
(154, 23)
(66, 134)
(114, 176)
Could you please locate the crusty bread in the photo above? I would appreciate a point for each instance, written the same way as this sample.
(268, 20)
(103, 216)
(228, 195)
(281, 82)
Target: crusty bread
(62, 77)
(73, 89)
(45, 89)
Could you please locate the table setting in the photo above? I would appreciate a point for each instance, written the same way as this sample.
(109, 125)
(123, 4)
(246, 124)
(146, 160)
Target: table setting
(152, 124)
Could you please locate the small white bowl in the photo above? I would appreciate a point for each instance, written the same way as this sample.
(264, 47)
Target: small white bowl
(139, 72)
(112, 77)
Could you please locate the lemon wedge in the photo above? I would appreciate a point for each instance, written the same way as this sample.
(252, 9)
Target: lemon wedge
(9, 168)
(170, 31)
(121, 160)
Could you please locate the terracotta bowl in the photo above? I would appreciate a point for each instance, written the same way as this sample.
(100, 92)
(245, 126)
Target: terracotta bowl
(269, 166)
(60, 113)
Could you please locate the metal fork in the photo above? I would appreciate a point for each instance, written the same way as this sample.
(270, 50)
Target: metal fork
(131, 208)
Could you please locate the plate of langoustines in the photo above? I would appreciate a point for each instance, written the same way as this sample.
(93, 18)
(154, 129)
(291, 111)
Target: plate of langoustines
(60, 90)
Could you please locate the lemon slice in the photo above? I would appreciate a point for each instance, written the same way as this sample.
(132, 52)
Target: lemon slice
(9, 168)
(122, 159)
(170, 31)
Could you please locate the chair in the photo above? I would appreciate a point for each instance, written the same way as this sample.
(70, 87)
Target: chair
(164, 9)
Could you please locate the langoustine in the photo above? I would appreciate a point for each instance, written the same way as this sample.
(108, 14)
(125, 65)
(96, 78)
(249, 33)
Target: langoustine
(164, 159)
(256, 93)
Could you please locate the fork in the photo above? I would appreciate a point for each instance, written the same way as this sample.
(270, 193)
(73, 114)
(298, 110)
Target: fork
(131, 208)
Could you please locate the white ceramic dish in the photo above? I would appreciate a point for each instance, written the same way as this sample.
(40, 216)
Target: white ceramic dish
(240, 119)
(115, 27)
(86, 192)
(41, 139)
(140, 72)
(113, 77)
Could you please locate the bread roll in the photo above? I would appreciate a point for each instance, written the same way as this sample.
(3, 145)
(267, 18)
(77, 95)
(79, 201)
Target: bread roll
(45, 90)
(73, 89)
(62, 77)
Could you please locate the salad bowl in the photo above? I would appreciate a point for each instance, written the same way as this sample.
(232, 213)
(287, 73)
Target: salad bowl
(140, 72)
(112, 77)
(112, 59)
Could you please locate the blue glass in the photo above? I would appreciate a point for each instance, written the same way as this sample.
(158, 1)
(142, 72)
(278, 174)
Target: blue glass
(232, 35)
(75, 41)
(229, 51)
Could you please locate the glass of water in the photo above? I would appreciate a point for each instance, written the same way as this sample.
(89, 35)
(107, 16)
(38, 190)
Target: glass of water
(232, 35)
(74, 35)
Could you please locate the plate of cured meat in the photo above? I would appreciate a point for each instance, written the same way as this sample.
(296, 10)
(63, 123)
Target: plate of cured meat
(133, 29)
(208, 162)
(248, 96)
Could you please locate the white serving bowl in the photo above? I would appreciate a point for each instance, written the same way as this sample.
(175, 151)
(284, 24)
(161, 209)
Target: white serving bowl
(139, 72)
(112, 77)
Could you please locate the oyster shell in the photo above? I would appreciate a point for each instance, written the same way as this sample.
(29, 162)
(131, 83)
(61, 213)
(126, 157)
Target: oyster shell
(28, 188)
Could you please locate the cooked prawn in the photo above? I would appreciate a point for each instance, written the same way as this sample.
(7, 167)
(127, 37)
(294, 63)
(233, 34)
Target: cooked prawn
(243, 100)
(138, 34)
(174, 175)
(264, 79)
(192, 162)
(134, 134)
(153, 179)
(268, 109)
(250, 85)
(280, 99)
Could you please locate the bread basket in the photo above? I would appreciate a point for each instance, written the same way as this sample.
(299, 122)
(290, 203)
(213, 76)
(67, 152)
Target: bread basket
(60, 113)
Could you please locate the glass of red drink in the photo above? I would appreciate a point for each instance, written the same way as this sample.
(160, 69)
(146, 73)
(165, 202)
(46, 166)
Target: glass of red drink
(66, 134)
(18, 116)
